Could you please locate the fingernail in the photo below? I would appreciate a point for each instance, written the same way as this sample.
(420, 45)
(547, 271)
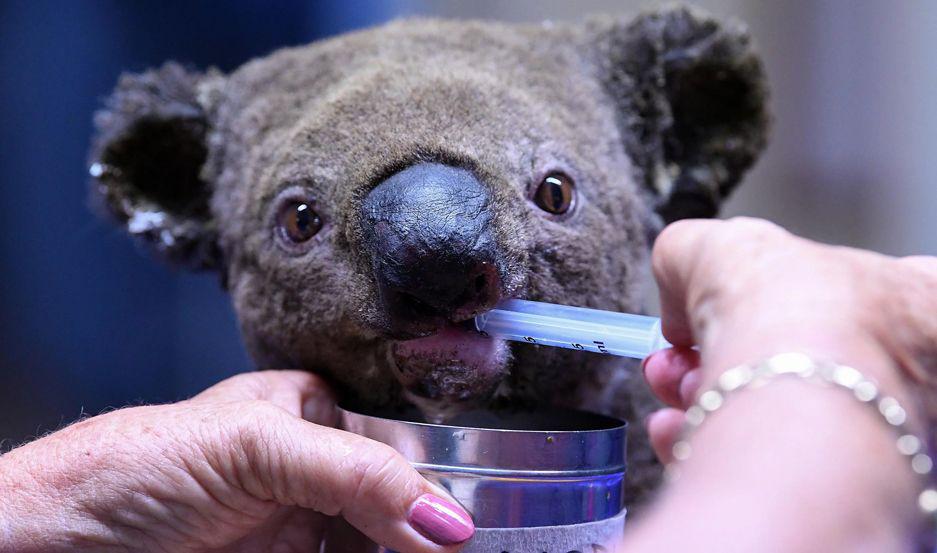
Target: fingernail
(689, 386)
(656, 358)
(440, 521)
(644, 364)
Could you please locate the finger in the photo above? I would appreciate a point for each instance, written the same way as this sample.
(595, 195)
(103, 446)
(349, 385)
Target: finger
(673, 261)
(663, 429)
(664, 370)
(689, 388)
(299, 393)
(925, 263)
(292, 462)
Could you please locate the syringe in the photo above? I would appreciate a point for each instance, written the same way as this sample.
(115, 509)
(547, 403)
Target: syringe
(579, 328)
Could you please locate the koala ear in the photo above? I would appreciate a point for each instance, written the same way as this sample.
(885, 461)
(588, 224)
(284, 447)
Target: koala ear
(147, 160)
(691, 99)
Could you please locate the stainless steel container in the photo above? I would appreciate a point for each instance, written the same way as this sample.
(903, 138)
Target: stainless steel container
(547, 481)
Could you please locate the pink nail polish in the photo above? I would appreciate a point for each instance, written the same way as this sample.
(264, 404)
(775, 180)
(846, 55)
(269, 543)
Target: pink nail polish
(440, 521)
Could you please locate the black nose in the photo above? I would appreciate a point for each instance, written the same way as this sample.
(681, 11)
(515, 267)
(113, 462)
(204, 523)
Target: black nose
(428, 229)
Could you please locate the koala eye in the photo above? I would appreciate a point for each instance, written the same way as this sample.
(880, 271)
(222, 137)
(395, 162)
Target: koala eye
(555, 193)
(298, 222)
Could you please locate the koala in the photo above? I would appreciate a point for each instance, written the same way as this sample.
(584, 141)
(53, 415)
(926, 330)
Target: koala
(364, 196)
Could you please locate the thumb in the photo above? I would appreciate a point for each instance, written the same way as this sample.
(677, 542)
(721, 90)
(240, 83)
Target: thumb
(673, 260)
(282, 458)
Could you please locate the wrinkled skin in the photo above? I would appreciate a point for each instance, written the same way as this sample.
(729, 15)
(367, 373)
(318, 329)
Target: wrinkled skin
(653, 119)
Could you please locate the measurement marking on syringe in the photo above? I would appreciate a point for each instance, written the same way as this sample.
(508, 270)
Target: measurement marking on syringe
(576, 328)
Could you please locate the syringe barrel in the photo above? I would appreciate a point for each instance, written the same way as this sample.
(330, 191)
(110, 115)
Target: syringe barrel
(574, 328)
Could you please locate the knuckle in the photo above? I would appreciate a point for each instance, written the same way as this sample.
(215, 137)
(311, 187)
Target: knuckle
(255, 446)
(255, 410)
(750, 227)
(672, 240)
(923, 263)
(251, 422)
(254, 383)
(242, 378)
(678, 231)
(245, 385)
(310, 380)
(747, 242)
(379, 470)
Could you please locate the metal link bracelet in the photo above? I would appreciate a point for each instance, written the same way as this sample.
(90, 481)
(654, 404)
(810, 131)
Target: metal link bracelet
(847, 378)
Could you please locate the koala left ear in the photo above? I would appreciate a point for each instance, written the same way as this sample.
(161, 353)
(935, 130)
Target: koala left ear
(691, 99)
(147, 161)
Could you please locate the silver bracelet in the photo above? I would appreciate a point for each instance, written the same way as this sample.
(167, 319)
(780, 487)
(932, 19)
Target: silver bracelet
(803, 366)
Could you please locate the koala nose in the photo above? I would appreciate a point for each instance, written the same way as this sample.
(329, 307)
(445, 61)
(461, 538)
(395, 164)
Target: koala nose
(428, 230)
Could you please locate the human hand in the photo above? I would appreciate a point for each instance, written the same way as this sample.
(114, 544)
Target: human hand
(791, 466)
(235, 468)
(746, 289)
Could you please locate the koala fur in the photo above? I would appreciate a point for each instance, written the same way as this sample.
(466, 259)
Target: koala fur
(654, 119)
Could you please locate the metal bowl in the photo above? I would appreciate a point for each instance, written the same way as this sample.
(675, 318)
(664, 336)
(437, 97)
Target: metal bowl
(509, 469)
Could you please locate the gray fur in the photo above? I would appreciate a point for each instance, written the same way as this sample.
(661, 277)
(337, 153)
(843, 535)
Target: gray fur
(614, 104)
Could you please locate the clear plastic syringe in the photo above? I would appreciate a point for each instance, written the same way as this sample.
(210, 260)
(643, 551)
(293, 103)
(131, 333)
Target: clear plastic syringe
(579, 328)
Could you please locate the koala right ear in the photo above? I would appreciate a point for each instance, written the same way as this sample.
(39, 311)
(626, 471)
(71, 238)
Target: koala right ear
(691, 97)
(147, 160)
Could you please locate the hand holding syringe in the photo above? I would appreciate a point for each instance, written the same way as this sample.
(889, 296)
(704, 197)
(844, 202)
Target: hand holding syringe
(579, 328)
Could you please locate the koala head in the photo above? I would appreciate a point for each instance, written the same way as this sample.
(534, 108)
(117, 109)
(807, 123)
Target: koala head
(364, 196)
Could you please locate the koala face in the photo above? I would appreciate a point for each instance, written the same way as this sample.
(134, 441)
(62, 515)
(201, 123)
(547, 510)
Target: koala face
(365, 196)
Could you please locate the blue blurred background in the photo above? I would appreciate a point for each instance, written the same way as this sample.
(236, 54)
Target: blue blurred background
(87, 321)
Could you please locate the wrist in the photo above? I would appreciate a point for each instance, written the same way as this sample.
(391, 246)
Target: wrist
(27, 509)
(824, 338)
(807, 466)
(44, 485)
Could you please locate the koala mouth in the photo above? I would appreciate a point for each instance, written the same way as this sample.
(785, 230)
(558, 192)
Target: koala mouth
(451, 371)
